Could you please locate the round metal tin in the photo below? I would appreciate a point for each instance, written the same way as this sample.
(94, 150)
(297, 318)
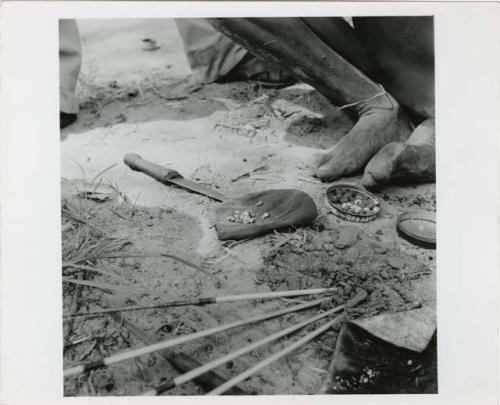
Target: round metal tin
(337, 209)
(418, 227)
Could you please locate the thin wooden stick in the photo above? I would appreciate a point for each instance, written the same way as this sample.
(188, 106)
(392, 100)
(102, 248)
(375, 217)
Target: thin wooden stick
(209, 300)
(181, 361)
(359, 297)
(74, 307)
(106, 361)
(259, 366)
(275, 294)
(184, 378)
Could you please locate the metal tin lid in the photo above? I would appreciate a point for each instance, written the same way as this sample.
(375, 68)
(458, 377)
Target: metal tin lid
(418, 227)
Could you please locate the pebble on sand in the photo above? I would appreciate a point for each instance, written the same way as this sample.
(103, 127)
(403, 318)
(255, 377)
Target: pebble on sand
(348, 237)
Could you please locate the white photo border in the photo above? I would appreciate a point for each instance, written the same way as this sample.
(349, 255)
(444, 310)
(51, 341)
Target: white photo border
(467, 119)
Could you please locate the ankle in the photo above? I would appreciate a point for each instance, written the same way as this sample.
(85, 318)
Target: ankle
(380, 101)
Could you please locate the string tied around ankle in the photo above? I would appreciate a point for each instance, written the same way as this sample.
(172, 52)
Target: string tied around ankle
(382, 93)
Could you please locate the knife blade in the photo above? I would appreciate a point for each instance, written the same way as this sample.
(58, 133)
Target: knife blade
(169, 176)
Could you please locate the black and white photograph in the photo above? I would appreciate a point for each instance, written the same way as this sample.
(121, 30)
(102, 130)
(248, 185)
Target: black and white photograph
(248, 206)
(261, 201)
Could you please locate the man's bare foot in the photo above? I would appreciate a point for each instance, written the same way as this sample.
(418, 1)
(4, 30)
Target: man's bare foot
(381, 121)
(413, 160)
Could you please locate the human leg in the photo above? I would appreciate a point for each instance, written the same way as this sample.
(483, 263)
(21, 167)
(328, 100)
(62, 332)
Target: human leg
(213, 57)
(292, 43)
(69, 69)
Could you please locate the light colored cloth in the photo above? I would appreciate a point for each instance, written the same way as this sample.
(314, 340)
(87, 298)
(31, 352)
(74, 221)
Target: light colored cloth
(69, 65)
(210, 53)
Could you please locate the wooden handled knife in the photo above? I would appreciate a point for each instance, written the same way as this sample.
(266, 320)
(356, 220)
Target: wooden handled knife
(168, 176)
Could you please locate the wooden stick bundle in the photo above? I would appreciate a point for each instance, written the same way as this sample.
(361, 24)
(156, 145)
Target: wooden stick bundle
(106, 361)
(215, 363)
(359, 297)
(259, 366)
(179, 360)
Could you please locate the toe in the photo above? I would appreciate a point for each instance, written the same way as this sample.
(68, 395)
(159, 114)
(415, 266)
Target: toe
(381, 168)
(319, 165)
(328, 171)
(369, 181)
(318, 160)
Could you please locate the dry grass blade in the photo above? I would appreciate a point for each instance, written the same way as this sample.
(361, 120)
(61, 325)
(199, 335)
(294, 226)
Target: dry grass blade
(123, 217)
(68, 330)
(100, 174)
(83, 221)
(77, 267)
(106, 286)
(146, 254)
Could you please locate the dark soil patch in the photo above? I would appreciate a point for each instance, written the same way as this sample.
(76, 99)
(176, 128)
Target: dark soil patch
(347, 259)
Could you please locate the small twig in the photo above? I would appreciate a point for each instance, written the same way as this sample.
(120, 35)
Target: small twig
(218, 260)
(73, 308)
(234, 254)
(250, 172)
(227, 102)
(309, 180)
(83, 222)
(137, 254)
(124, 197)
(147, 254)
(325, 347)
(269, 42)
(134, 205)
(282, 242)
(90, 350)
(237, 129)
(181, 139)
(233, 243)
(78, 341)
(318, 370)
(122, 217)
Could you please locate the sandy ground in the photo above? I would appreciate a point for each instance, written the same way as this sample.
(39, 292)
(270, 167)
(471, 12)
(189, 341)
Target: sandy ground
(145, 102)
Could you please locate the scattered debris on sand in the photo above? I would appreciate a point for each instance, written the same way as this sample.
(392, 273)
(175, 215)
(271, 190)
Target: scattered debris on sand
(346, 259)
